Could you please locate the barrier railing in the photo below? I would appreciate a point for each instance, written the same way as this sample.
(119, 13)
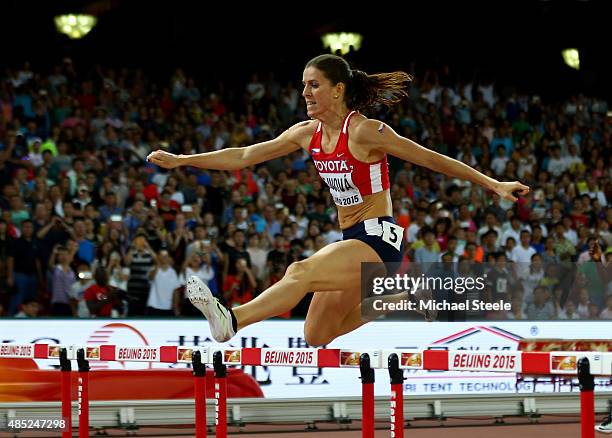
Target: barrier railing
(584, 365)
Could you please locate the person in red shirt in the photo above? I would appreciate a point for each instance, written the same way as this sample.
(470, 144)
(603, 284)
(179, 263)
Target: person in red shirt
(238, 288)
(98, 297)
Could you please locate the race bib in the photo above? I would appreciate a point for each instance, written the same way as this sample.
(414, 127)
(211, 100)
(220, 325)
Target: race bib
(342, 188)
(392, 234)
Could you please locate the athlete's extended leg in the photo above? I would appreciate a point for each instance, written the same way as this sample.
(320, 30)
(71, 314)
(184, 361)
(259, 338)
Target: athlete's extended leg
(336, 267)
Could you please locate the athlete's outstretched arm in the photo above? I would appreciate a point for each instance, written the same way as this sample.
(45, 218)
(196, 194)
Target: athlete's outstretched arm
(379, 136)
(235, 158)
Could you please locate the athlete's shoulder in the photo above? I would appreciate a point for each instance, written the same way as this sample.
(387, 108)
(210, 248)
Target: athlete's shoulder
(304, 127)
(302, 131)
(364, 129)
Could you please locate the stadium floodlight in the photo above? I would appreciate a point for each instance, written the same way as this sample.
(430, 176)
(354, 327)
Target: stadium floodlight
(571, 58)
(342, 41)
(75, 25)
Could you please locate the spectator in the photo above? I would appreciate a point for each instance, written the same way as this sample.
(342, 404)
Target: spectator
(140, 258)
(239, 287)
(198, 264)
(98, 297)
(24, 267)
(164, 282)
(542, 308)
(569, 311)
(77, 291)
(29, 309)
(522, 254)
(427, 253)
(62, 280)
(607, 312)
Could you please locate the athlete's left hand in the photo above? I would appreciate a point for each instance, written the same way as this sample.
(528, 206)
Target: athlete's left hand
(507, 190)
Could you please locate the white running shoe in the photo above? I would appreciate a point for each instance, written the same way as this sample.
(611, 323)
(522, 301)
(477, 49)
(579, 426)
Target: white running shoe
(605, 426)
(218, 315)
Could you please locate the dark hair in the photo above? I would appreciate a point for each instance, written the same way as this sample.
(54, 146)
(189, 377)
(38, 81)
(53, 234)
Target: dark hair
(362, 90)
(101, 276)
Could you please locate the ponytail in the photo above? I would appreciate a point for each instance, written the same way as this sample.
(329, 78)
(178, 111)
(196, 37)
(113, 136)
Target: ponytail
(363, 91)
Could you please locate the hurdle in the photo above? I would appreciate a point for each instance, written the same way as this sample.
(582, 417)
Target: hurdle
(583, 365)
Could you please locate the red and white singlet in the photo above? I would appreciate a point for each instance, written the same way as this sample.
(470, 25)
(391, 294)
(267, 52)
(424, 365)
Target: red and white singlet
(348, 179)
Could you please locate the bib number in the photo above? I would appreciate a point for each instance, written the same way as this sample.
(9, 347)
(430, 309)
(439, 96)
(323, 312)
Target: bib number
(392, 234)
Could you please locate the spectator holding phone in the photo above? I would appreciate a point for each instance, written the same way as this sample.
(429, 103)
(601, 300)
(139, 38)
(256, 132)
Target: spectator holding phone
(179, 238)
(77, 290)
(62, 278)
(164, 282)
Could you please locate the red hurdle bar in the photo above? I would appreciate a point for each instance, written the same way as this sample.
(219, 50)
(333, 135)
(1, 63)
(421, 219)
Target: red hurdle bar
(367, 396)
(66, 369)
(397, 397)
(587, 399)
(220, 395)
(199, 388)
(83, 394)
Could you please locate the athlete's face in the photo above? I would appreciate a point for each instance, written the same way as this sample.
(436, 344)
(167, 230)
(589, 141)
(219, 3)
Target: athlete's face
(319, 93)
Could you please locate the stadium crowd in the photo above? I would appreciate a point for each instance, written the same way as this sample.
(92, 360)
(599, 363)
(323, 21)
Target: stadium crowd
(90, 229)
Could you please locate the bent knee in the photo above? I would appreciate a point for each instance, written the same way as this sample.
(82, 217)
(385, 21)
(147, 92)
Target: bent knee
(317, 338)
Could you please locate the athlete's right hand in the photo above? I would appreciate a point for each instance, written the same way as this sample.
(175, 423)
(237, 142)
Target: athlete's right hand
(163, 159)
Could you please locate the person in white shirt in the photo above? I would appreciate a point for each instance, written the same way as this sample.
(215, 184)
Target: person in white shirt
(570, 234)
(259, 257)
(583, 303)
(573, 160)
(490, 224)
(569, 311)
(514, 230)
(416, 225)
(498, 164)
(557, 164)
(164, 281)
(521, 254)
(607, 312)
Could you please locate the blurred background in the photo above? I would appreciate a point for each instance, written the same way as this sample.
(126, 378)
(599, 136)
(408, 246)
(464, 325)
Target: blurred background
(88, 227)
(518, 43)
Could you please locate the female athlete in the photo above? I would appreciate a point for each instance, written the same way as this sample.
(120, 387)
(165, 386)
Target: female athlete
(350, 153)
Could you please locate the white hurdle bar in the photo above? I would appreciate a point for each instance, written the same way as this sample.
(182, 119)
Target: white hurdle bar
(584, 365)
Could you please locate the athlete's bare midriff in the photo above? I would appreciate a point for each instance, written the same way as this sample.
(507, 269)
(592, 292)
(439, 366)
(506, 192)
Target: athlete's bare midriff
(373, 206)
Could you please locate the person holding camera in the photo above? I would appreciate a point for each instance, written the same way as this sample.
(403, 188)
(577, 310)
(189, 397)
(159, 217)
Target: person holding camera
(62, 278)
(164, 282)
(78, 288)
(179, 238)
